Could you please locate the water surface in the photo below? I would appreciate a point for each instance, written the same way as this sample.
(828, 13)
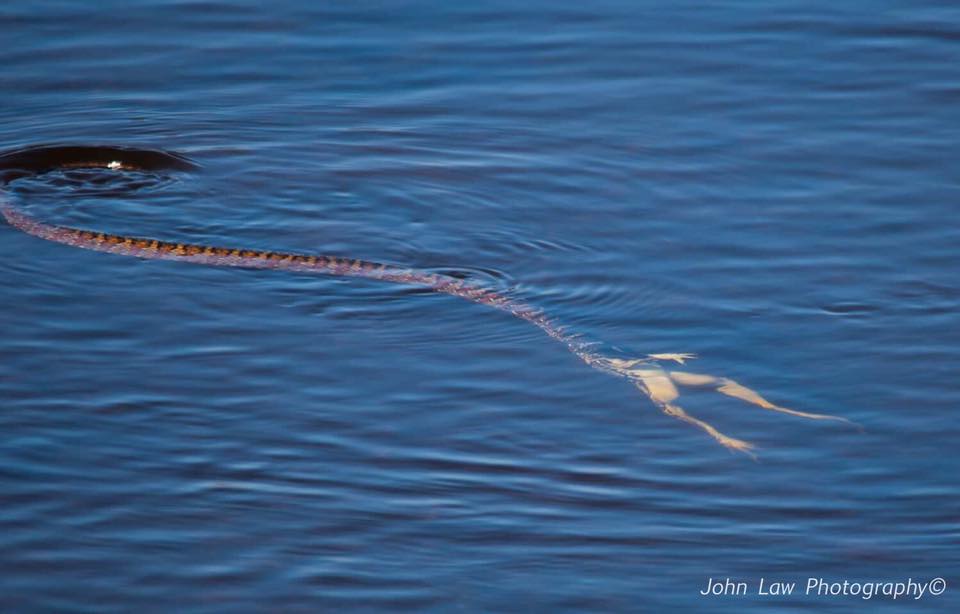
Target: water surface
(772, 188)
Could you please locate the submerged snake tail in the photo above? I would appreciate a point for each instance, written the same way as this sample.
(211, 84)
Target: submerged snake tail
(657, 383)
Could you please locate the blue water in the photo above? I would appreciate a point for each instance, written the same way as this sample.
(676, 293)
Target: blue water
(772, 186)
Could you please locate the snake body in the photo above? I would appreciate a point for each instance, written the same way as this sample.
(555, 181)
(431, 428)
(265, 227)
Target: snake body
(38, 160)
(657, 383)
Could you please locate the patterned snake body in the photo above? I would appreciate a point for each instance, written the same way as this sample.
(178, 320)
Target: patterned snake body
(38, 160)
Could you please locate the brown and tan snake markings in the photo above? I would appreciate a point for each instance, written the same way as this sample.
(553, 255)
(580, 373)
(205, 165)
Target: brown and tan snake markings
(660, 384)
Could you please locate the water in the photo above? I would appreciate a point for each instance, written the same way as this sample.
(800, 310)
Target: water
(773, 188)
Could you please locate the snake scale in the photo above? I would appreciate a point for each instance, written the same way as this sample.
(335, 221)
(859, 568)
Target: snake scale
(658, 383)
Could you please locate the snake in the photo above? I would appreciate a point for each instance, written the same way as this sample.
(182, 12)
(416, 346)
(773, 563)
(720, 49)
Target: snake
(655, 381)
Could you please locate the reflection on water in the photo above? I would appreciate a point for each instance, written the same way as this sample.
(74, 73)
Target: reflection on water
(770, 188)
